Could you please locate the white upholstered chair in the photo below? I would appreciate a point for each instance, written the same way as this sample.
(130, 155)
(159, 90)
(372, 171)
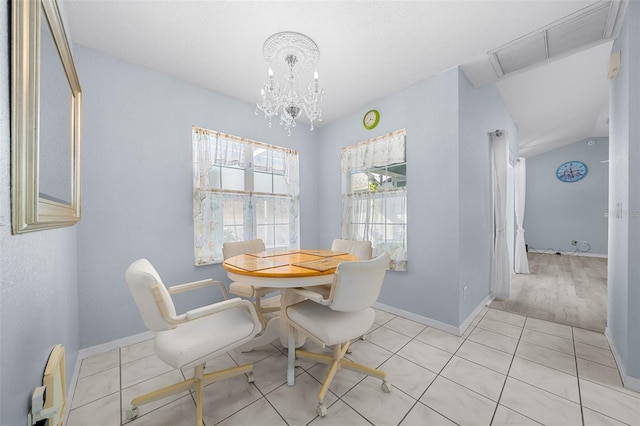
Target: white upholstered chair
(345, 315)
(360, 249)
(190, 339)
(263, 305)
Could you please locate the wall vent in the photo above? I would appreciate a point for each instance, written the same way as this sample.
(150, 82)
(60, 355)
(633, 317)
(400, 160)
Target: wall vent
(594, 24)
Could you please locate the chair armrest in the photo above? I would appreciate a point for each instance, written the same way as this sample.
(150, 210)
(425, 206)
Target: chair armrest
(311, 295)
(180, 288)
(222, 306)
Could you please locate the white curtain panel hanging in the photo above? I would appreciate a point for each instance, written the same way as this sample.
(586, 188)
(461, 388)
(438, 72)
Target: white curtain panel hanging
(520, 259)
(500, 271)
(208, 210)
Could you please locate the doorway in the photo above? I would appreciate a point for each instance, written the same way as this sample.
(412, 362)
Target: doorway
(567, 237)
(565, 289)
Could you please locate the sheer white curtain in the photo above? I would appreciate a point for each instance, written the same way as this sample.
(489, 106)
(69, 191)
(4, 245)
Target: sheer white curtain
(378, 215)
(500, 275)
(521, 262)
(208, 206)
(377, 152)
(221, 213)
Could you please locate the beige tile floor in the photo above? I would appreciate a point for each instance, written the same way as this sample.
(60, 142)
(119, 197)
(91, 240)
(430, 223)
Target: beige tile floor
(506, 369)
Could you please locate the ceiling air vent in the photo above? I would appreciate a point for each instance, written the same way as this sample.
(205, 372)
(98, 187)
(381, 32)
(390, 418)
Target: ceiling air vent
(594, 24)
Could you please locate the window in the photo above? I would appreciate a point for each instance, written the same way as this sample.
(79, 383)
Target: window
(374, 198)
(242, 190)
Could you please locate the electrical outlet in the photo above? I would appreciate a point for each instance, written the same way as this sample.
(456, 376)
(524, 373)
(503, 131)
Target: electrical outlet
(574, 242)
(464, 293)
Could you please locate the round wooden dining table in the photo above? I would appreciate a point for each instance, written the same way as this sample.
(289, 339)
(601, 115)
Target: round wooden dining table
(283, 269)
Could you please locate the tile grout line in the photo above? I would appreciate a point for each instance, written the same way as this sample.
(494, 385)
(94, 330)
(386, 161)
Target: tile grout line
(507, 375)
(417, 400)
(576, 376)
(438, 374)
(430, 384)
(575, 358)
(553, 335)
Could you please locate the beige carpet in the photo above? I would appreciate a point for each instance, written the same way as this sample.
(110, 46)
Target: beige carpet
(565, 289)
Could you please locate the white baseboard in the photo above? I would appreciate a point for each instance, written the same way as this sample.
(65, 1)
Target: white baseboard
(628, 382)
(466, 323)
(97, 350)
(632, 383)
(115, 344)
(418, 318)
(448, 328)
(580, 253)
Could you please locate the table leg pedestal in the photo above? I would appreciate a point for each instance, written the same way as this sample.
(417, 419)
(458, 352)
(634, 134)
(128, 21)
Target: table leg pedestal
(291, 357)
(270, 334)
(277, 328)
(288, 298)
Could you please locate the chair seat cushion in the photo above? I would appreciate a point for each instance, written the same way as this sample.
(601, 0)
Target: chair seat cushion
(331, 327)
(196, 341)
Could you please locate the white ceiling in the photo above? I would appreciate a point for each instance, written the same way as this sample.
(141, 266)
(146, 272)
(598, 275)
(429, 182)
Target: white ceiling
(368, 50)
(562, 102)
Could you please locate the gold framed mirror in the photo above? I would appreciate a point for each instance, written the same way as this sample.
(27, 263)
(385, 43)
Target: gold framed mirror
(46, 102)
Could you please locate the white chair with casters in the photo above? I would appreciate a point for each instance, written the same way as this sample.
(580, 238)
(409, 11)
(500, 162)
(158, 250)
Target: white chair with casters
(190, 339)
(360, 249)
(345, 315)
(263, 305)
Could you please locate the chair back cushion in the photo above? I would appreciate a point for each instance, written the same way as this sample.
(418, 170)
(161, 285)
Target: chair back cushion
(360, 249)
(357, 284)
(230, 249)
(141, 276)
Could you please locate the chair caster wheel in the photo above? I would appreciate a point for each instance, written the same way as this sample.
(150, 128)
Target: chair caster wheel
(321, 410)
(349, 351)
(363, 337)
(386, 387)
(297, 362)
(251, 377)
(133, 413)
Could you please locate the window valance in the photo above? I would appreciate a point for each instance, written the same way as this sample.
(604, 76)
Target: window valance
(381, 151)
(219, 149)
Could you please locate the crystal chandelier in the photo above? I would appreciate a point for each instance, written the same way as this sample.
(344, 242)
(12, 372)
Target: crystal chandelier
(290, 54)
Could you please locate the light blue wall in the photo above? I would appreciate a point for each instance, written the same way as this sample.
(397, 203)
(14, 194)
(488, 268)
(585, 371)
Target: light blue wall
(429, 112)
(481, 111)
(623, 322)
(38, 284)
(137, 184)
(443, 116)
(559, 212)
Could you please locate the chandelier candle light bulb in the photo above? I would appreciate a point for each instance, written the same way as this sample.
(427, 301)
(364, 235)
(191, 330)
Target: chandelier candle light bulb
(292, 53)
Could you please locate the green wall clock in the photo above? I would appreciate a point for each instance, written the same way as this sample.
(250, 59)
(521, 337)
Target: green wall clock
(371, 119)
(571, 171)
